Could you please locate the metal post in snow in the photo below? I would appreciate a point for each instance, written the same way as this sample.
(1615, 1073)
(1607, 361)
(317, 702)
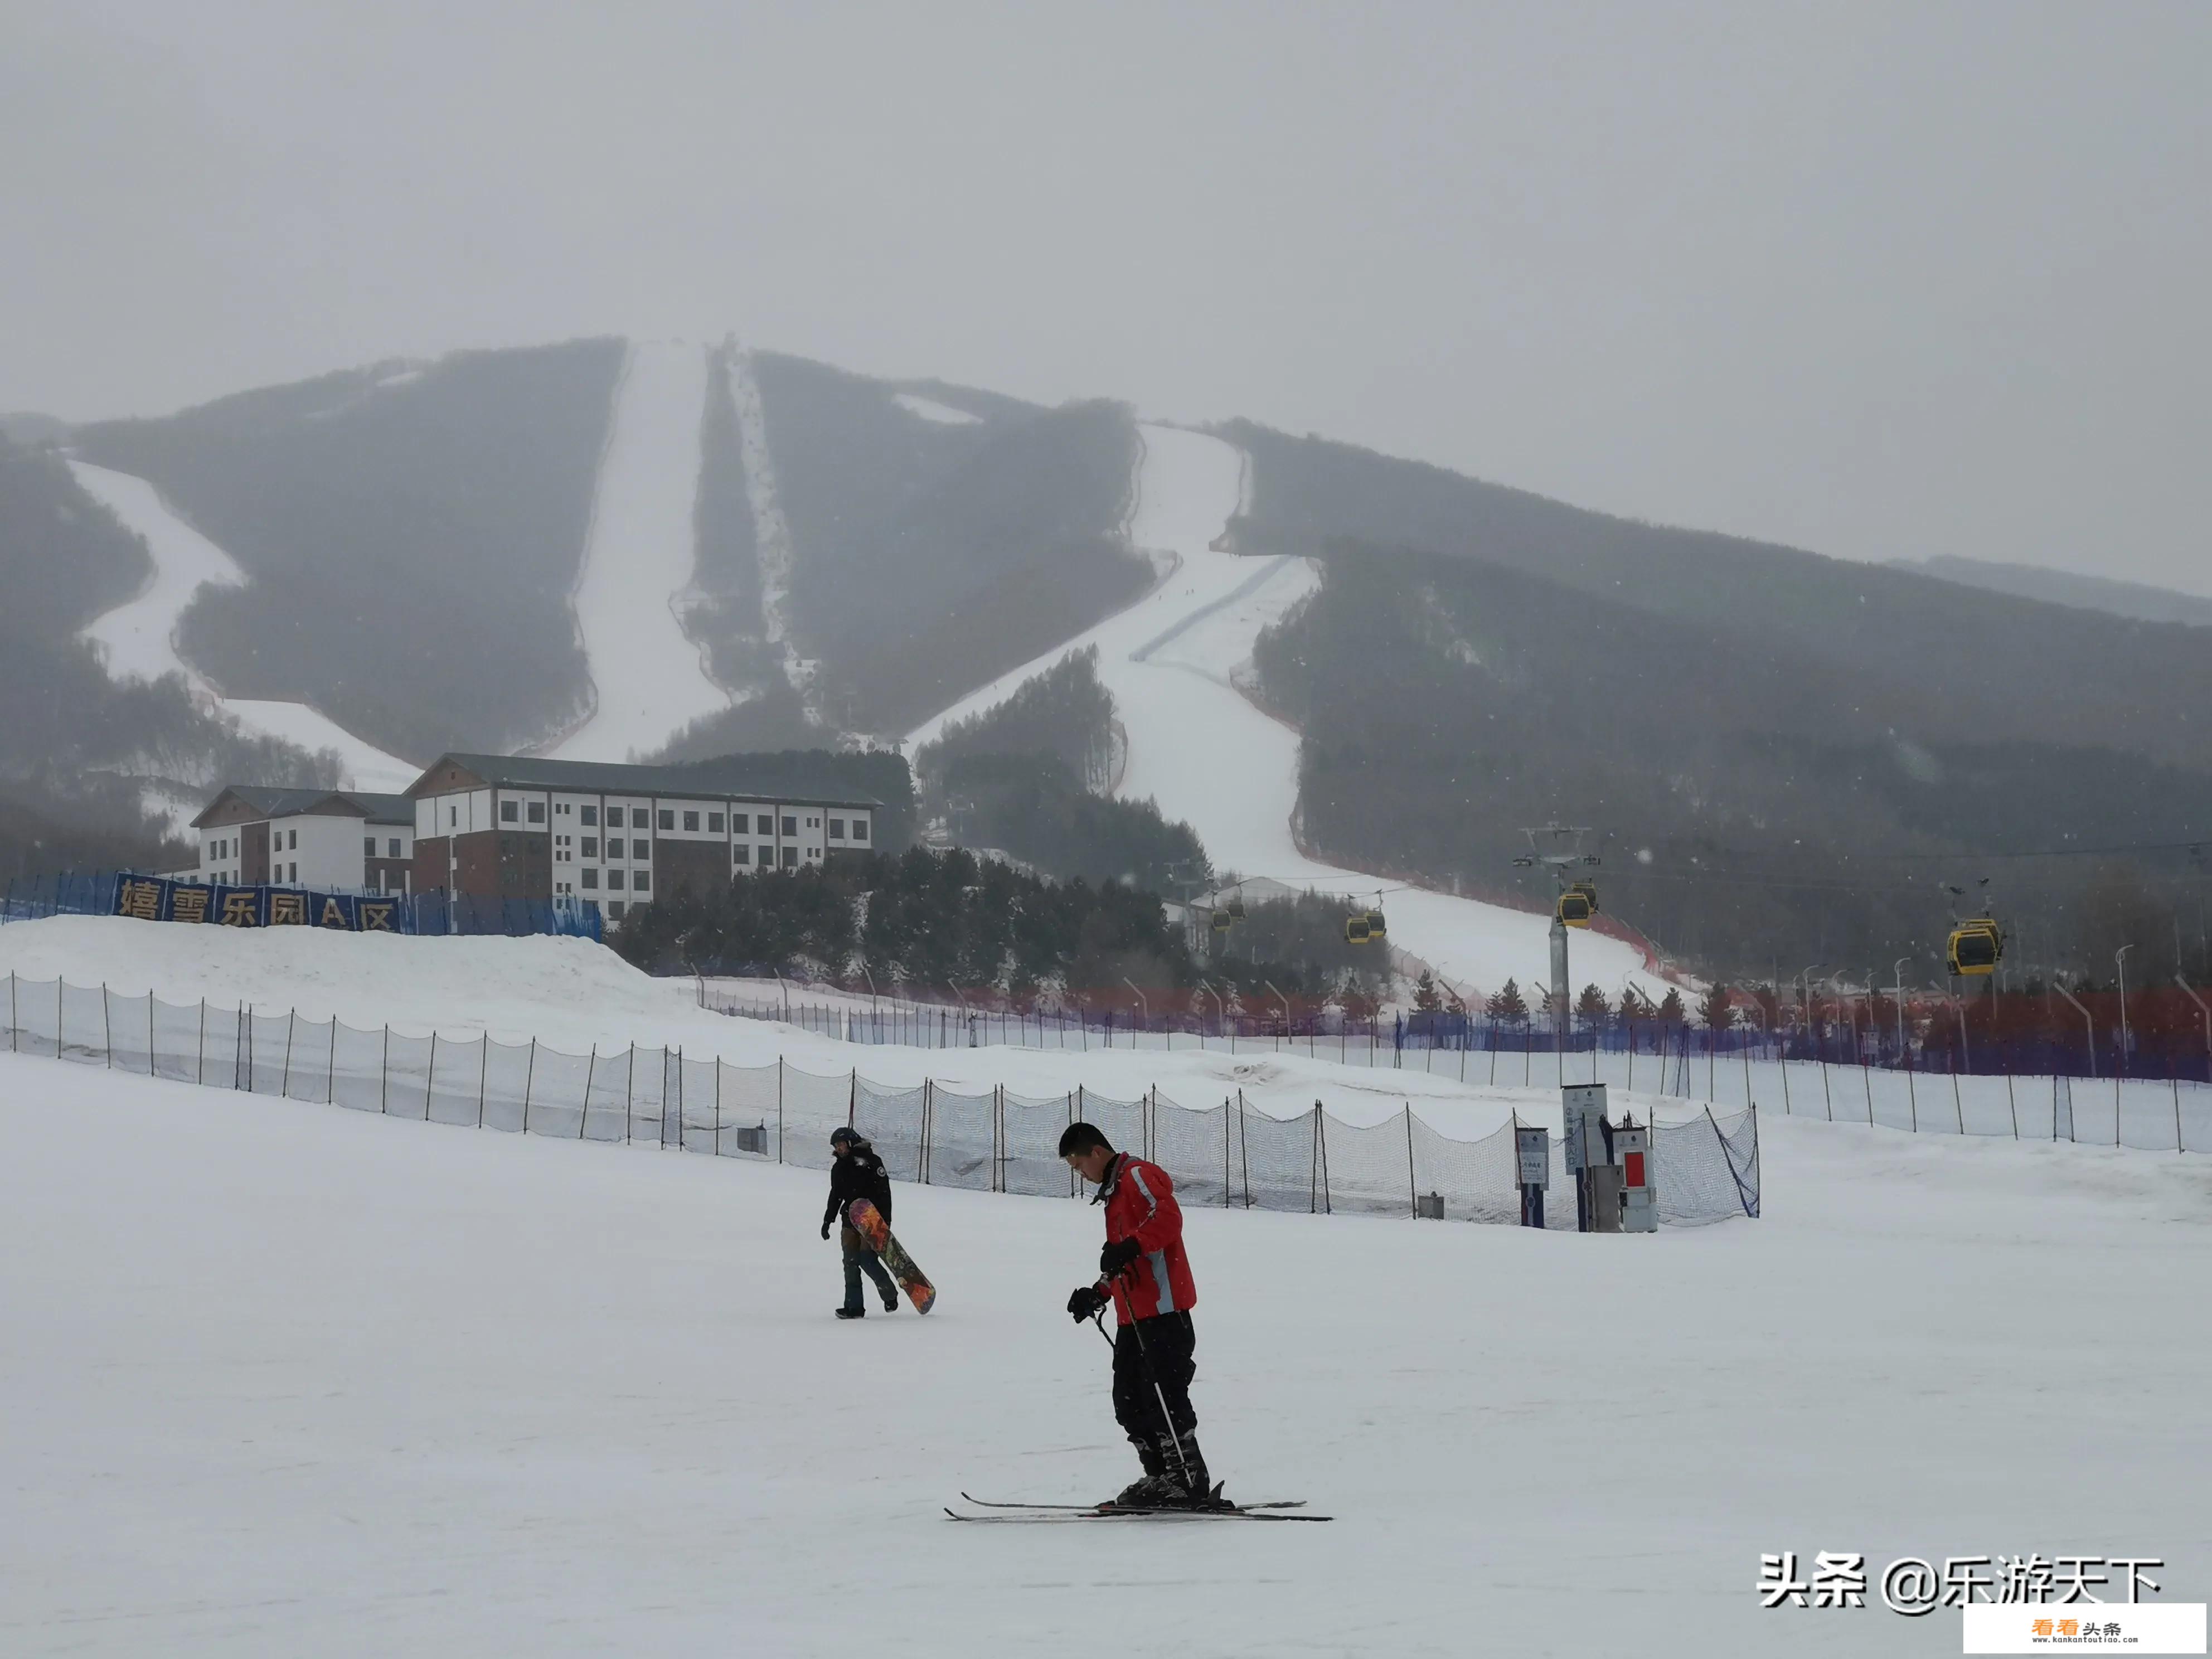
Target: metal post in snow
(2012, 1105)
(106, 1033)
(284, 1087)
(779, 1109)
(1244, 1148)
(1413, 1186)
(629, 1089)
(330, 1067)
(199, 1050)
(430, 1078)
(584, 1116)
(149, 1033)
(384, 1073)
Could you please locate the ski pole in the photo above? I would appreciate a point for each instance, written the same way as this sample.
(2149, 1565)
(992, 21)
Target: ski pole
(1145, 1358)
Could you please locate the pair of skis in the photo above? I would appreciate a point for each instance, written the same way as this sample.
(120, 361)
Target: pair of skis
(1004, 1513)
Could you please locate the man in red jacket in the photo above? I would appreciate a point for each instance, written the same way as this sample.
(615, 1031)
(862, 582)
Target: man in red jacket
(1144, 1274)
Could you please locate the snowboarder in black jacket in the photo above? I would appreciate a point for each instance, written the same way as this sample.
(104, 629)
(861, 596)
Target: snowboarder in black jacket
(858, 1173)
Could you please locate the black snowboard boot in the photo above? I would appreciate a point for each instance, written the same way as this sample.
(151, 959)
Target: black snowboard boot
(890, 1301)
(852, 1313)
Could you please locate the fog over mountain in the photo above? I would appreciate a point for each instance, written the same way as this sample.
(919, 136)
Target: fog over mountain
(1880, 280)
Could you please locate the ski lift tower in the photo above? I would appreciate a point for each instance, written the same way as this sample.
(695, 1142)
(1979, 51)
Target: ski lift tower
(1559, 847)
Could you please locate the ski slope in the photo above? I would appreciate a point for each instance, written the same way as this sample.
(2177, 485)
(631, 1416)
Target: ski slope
(364, 765)
(138, 639)
(1207, 755)
(281, 1378)
(650, 679)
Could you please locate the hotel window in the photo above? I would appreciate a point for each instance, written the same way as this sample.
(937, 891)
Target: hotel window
(369, 845)
(614, 879)
(859, 829)
(790, 857)
(538, 812)
(836, 829)
(509, 811)
(641, 880)
(714, 823)
(741, 853)
(591, 847)
(392, 848)
(590, 816)
(767, 825)
(667, 819)
(791, 826)
(590, 878)
(640, 849)
(690, 820)
(615, 909)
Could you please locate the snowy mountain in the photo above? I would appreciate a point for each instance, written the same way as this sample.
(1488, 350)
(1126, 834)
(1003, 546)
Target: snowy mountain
(608, 548)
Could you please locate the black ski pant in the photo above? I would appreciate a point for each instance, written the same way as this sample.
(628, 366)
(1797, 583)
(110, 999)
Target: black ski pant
(858, 1257)
(1169, 1344)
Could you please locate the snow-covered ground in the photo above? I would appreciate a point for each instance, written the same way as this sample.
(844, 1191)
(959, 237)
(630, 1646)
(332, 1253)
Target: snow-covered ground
(1201, 750)
(282, 1378)
(650, 679)
(138, 639)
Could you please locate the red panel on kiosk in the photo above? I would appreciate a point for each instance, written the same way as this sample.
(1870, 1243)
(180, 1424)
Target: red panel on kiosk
(1632, 1169)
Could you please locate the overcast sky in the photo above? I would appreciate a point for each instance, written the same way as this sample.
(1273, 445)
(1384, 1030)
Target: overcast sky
(1878, 281)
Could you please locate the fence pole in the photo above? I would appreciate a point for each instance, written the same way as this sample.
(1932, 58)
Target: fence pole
(241, 1042)
(999, 1133)
(779, 1109)
(1320, 1149)
(483, 1069)
(1228, 1181)
(11, 1004)
(630, 1090)
(330, 1067)
(682, 1112)
(384, 1073)
(2173, 1077)
(429, 1079)
(59, 983)
(853, 1099)
(1244, 1148)
(149, 1032)
(583, 1117)
(1071, 1118)
(199, 1050)
(284, 1087)
(2011, 1104)
(1826, 1099)
(1911, 1094)
(926, 1090)
(1784, 1064)
(1958, 1111)
(107, 1042)
(1413, 1188)
(718, 1105)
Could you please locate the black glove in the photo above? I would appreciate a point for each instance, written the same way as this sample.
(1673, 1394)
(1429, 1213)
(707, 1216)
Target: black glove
(825, 1230)
(1086, 1303)
(1118, 1255)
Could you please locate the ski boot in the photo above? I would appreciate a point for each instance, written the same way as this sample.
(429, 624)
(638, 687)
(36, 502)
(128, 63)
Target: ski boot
(852, 1313)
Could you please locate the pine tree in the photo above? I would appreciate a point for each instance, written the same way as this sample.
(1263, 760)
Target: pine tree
(1425, 1000)
(1591, 1005)
(1716, 1010)
(1507, 1004)
(1670, 1007)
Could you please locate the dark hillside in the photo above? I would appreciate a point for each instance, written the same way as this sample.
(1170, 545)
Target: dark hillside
(931, 556)
(1788, 803)
(412, 535)
(1975, 665)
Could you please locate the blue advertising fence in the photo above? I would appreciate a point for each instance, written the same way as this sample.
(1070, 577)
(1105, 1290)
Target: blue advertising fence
(166, 898)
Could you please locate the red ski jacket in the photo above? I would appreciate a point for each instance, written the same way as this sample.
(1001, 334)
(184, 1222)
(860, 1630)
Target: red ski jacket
(1141, 1204)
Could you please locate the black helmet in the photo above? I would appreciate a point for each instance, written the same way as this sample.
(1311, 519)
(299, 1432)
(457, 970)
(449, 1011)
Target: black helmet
(843, 1134)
